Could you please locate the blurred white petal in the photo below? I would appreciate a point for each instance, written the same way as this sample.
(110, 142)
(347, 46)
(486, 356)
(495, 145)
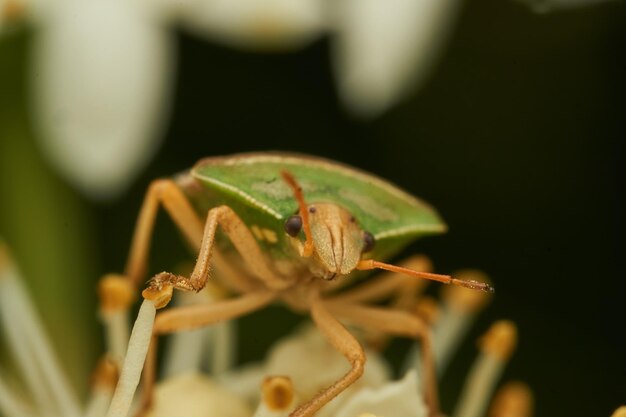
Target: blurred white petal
(102, 76)
(398, 399)
(245, 381)
(545, 6)
(255, 24)
(195, 395)
(383, 48)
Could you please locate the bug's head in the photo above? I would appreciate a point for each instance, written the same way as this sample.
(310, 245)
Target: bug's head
(334, 240)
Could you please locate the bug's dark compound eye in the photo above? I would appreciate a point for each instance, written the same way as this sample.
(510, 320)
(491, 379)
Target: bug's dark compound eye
(312, 209)
(368, 241)
(293, 225)
(352, 219)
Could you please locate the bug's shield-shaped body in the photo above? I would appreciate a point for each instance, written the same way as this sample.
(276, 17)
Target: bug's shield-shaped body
(252, 186)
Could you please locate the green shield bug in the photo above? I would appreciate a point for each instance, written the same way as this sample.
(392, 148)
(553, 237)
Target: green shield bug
(286, 228)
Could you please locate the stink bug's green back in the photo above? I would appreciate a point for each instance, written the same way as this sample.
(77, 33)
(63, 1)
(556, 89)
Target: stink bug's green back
(252, 183)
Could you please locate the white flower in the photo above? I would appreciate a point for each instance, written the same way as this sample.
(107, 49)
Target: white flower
(397, 399)
(102, 77)
(103, 69)
(383, 48)
(380, 48)
(203, 398)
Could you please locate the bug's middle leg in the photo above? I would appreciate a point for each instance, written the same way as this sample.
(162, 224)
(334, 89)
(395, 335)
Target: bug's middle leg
(400, 323)
(402, 291)
(344, 342)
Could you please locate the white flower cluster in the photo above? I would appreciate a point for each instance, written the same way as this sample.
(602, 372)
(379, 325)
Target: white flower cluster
(103, 70)
(296, 368)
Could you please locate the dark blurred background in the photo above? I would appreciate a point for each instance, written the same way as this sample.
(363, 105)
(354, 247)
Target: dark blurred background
(517, 138)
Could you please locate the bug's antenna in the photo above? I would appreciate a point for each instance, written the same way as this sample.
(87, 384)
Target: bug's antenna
(446, 279)
(304, 213)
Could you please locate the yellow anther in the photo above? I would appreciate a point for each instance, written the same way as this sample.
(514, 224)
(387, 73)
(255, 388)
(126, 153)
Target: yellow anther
(514, 399)
(12, 10)
(620, 412)
(500, 340)
(115, 292)
(105, 375)
(277, 393)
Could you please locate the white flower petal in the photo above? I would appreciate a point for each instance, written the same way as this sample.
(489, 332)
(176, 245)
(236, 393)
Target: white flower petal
(323, 366)
(102, 75)
(274, 24)
(195, 395)
(245, 381)
(384, 46)
(395, 399)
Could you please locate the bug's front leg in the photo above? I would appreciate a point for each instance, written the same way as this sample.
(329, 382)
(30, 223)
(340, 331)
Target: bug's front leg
(117, 292)
(161, 286)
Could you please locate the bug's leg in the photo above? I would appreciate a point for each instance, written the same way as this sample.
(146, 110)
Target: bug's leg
(193, 317)
(160, 287)
(398, 323)
(344, 342)
(166, 193)
(117, 291)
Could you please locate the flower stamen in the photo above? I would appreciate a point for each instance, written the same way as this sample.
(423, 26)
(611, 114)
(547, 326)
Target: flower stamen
(30, 345)
(133, 363)
(513, 399)
(104, 380)
(496, 347)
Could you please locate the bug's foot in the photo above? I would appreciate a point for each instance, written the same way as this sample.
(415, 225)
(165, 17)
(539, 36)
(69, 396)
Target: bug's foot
(161, 287)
